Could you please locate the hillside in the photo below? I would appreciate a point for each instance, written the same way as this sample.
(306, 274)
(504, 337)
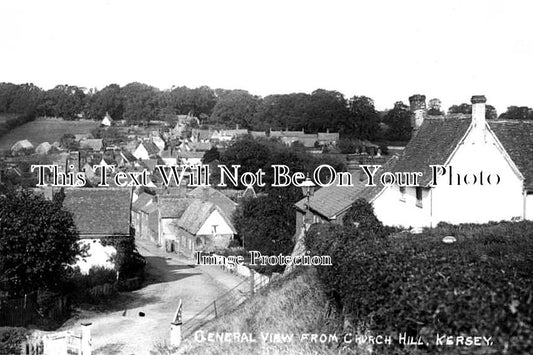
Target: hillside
(292, 305)
(42, 130)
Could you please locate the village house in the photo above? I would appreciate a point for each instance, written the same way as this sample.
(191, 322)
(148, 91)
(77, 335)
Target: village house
(138, 203)
(98, 213)
(107, 121)
(203, 226)
(146, 150)
(468, 149)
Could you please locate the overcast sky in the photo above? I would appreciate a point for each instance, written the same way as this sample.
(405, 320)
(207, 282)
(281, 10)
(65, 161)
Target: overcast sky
(387, 50)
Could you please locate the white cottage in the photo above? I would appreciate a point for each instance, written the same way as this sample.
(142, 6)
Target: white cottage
(484, 171)
(483, 177)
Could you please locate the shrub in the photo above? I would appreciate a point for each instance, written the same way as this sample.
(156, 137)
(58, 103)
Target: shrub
(11, 339)
(480, 285)
(128, 262)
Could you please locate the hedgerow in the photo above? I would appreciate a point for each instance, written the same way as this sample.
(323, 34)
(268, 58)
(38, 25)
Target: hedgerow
(481, 285)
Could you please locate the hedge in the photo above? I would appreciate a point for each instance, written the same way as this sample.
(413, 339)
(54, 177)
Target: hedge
(11, 339)
(482, 285)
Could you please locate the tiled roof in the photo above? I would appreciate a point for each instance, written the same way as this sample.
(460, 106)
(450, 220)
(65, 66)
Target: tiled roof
(151, 148)
(141, 201)
(258, 133)
(516, 137)
(172, 206)
(435, 141)
(328, 136)
(190, 155)
(369, 192)
(331, 200)
(126, 154)
(99, 212)
(200, 146)
(207, 193)
(197, 213)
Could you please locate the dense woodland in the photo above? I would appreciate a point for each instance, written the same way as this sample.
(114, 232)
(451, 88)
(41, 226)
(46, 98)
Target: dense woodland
(139, 103)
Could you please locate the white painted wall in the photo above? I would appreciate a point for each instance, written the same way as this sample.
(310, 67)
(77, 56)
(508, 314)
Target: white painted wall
(214, 219)
(477, 203)
(529, 207)
(464, 203)
(141, 153)
(98, 255)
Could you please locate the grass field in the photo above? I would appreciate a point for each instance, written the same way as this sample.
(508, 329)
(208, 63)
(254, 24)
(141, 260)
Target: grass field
(41, 130)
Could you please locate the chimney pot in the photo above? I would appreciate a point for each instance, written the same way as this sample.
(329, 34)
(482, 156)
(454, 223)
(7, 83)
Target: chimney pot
(478, 99)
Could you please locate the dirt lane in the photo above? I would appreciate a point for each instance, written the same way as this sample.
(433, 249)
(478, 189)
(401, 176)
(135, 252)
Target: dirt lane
(121, 330)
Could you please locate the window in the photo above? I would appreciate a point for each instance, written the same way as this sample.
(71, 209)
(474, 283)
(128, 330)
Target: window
(402, 193)
(419, 197)
(214, 229)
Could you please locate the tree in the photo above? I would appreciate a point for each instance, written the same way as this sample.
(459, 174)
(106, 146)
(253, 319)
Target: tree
(211, 155)
(140, 103)
(399, 121)
(68, 141)
(517, 113)
(267, 223)
(65, 101)
(434, 108)
(109, 100)
(490, 111)
(235, 107)
(363, 120)
(38, 239)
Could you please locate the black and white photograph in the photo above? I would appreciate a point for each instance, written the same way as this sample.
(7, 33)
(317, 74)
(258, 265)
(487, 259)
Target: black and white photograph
(261, 177)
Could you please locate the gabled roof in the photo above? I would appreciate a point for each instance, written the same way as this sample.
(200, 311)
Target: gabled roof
(516, 136)
(197, 213)
(207, 193)
(172, 206)
(332, 200)
(128, 156)
(142, 201)
(370, 192)
(150, 147)
(436, 140)
(99, 212)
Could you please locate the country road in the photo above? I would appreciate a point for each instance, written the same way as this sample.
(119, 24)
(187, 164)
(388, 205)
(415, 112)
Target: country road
(121, 330)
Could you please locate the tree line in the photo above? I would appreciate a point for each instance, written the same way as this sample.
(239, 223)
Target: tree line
(140, 103)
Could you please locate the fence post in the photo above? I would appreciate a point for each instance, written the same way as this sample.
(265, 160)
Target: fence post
(252, 282)
(86, 338)
(215, 306)
(175, 327)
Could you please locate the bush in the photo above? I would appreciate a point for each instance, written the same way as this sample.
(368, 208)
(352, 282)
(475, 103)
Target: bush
(11, 339)
(128, 262)
(481, 285)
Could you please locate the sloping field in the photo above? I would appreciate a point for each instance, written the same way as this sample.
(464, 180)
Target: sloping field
(42, 130)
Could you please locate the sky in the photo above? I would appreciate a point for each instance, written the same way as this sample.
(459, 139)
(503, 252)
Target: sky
(386, 50)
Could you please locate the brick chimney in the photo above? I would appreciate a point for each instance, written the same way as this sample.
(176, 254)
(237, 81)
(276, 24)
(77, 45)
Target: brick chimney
(478, 115)
(418, 108)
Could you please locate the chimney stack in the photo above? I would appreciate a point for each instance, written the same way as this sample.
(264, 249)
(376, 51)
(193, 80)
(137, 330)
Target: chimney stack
(478, 115)
(418, 108)
(478, 109)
